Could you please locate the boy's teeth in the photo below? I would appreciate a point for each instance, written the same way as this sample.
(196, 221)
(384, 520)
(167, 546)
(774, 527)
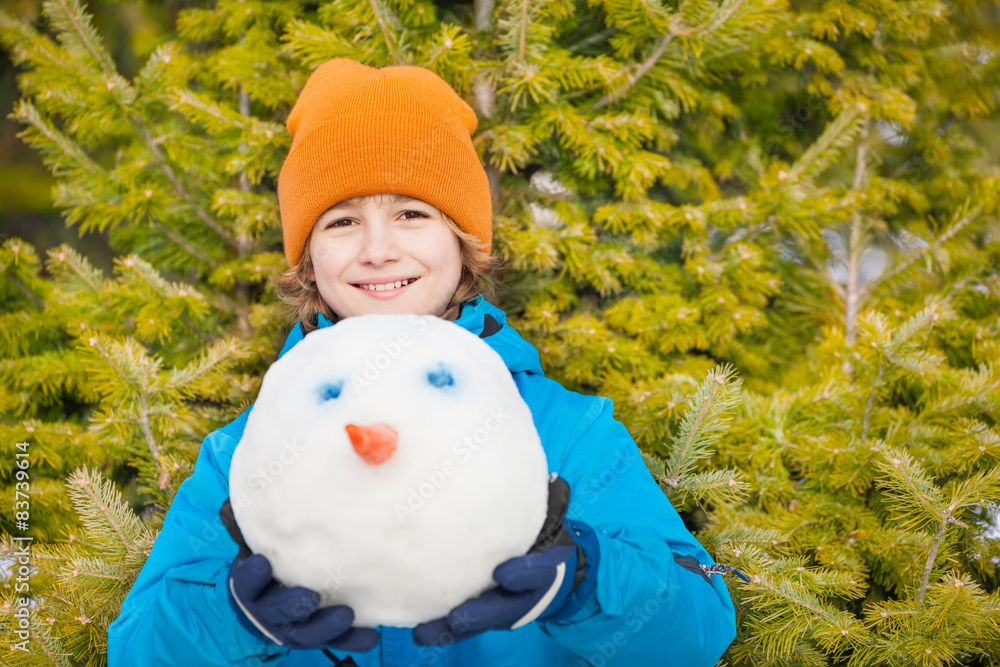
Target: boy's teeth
(381, 287)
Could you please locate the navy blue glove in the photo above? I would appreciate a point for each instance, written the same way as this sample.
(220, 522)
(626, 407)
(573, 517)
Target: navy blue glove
(288, 616)
(530, 587)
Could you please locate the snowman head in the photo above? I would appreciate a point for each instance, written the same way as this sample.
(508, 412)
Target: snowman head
(389, 429)
(380, 395)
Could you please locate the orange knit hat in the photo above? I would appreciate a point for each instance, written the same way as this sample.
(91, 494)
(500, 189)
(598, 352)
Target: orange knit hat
(357, 130)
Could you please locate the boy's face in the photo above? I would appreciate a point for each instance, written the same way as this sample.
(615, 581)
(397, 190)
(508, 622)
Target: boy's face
(362, 248)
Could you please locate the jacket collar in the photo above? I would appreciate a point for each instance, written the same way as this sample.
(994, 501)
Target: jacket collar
(475, 316)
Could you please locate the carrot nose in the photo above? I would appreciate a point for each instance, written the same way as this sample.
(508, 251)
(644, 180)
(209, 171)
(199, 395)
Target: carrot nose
(375, 444)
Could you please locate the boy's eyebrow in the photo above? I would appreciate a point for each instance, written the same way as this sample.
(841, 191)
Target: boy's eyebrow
(353, 201)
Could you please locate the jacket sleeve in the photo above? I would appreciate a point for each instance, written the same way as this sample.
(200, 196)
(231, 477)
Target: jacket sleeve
(179, 611)
(643, 603)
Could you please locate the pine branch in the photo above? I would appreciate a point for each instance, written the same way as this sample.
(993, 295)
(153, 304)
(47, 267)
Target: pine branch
(794, 599)
(852, 297)
(154, 74)
(79, 265)
(181, 242)
(734, 533)
(103, 509)
(909, 489)
(837, 134)
(871, 402)
(724, 15)
(15, 35)
(483, 12)
(916, 324)
(979, 489)
(742, 48)
(148, 275)
(484, 93)
(161, 161)
(95, 568)
(211, 113)
(244, 181)
(147, 432)
(390, 42)
(879, 611)
(52, 646)
(31, 296)
(129, 352)
(931, 558)
(69, 16)
(640, 71)
(676, 28)
(122, 578)
(592, 39)
(27, 113)
(702, 424)
(312, 45)
(859, 158)
(243, 241)
(717, 486)
(95, 342)
(211, 360)
(915, 255)
(522, 32)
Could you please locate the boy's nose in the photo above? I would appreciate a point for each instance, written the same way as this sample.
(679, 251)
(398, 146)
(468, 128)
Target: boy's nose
(379, 246)
(374, 443)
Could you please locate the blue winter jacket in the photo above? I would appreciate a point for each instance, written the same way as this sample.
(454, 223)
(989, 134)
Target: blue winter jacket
(645, 609)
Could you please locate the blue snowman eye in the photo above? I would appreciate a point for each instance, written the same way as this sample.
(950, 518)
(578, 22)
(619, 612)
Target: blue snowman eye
(440, 377)
(329, 391)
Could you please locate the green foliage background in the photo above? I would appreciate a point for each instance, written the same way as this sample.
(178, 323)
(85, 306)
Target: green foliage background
(767, 229)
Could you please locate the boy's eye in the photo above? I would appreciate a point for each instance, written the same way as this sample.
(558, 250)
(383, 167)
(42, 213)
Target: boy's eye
(329, 391)
(344, 222)
(440, 377)
(416, 215)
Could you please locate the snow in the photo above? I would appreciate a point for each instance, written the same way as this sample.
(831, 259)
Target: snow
(871, 265)
(545, 181)
(408, 539)
(992, 525)
(988, 522)
(892, 132)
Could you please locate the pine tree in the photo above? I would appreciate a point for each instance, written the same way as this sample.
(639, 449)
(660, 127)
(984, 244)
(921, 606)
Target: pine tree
(863, 537)
(87, 579)
(803, 195)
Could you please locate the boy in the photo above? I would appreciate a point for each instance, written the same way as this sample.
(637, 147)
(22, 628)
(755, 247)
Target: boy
(385, 208)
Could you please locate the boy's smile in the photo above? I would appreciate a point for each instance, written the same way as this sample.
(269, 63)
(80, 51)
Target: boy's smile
(385, 288)
(385, 254)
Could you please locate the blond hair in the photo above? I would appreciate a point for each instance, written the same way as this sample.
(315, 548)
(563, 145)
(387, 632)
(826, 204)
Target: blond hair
(301, 294)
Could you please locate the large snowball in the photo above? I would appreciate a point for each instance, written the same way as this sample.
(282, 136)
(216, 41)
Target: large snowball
(408, 539)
